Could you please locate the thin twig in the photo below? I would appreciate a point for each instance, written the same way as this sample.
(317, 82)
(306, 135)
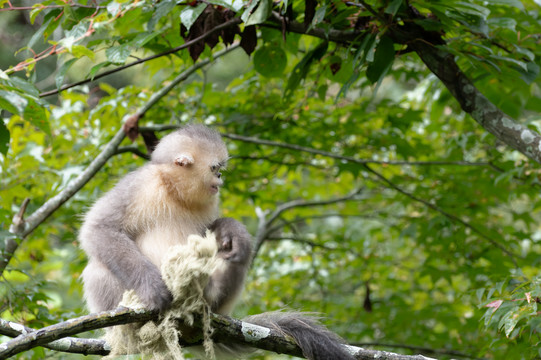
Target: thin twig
(265, 222)
(448, 215)
(390, 184)
(47, 7)
(132, 149)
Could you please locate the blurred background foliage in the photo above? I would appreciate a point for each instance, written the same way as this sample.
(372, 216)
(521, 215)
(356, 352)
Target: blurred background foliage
(439, 251)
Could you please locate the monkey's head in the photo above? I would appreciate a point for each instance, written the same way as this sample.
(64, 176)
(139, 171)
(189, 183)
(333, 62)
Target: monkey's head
(191, 160)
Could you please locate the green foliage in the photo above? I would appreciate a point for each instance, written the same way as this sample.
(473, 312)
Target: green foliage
(440, 249)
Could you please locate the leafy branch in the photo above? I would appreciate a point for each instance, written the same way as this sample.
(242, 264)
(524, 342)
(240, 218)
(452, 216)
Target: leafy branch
(431, 48)
(187, 44)
(47, 7)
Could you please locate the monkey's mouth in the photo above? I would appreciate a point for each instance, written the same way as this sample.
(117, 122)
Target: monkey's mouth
(214, 189)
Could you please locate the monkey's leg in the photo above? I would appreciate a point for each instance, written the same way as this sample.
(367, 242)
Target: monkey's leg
(102, 290)
(119, 254)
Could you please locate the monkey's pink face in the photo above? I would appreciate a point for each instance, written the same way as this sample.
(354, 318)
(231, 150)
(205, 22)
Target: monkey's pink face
(216, 177)
(199, 172)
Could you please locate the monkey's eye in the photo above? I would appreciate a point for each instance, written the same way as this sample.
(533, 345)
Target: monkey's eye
(214, 168)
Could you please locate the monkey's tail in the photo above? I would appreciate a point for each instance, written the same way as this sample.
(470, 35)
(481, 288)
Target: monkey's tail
(315, 340)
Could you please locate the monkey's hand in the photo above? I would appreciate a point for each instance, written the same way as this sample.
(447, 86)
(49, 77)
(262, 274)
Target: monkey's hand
(234, 241)
(235, 247)
(152, 290)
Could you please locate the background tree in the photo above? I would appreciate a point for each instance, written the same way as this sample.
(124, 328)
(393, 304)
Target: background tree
(372, 194)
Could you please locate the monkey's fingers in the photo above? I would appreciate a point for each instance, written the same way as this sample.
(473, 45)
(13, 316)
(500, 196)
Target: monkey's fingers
(155, 295)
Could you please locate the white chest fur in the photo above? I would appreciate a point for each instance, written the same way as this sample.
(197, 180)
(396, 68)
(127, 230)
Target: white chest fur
(158, 221)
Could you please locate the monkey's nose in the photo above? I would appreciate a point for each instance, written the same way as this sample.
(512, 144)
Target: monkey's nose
(219, 175)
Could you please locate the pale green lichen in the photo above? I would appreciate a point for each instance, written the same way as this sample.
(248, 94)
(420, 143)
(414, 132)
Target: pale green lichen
(468, 89)
(254, 332)
(527, 136)
(510, 124)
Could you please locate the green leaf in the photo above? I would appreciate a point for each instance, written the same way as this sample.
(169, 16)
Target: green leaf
(21, 84)
(59, 79)
(519, 63)
(163, 8)
(53, 25)
(503, 22)
(97, 68)
(383, 60)
(516, 3)
(143, 38)
(39, 34)
(472, 9)
(74, 35)
(365, 52)
(270, 61)
(521, 50)
(189, 14)
(235, 5)
(4, 138)
(79, 51)
(13, 102)
(117, 54)
(260, 14)
(319, 15)
(430, 24)
(249, 10)
(322, 91)
(36, 115)
(301, 69)
(113, 8)
(531, 73)
(393, 7)
(37, 9)
(479, 294)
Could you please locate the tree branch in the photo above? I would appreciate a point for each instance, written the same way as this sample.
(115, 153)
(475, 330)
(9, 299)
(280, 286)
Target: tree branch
(265, 222)
(132, 149)
(431, 48)
(66, 344)
(424, 350)
(44, 336)
(381, 177)
(226, 330)
(448, 215)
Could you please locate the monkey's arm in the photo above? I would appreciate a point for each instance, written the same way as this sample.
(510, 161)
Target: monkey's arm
(235, 247)
(109, 245)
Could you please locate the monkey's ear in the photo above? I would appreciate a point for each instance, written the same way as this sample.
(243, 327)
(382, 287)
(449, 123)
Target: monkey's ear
(184, 159)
